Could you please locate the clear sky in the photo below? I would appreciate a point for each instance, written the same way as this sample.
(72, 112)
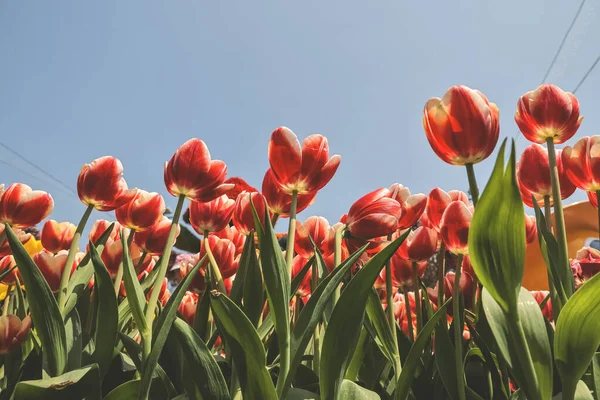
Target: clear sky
(135, 79)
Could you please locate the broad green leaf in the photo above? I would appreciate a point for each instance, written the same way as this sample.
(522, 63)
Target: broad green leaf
(346, 321)
(582, 392)
(74, 340)
(444, 359)
(253, 286)
(135, 295)
(237, 288)
(538, 345)
(596, 374)
(246, 348)
(107, 314)
(199, 359)
(162, 327)
(351, 391)
(358, 354)
(376, 315)
(125, 391)
(577, 334)
(497, 234)
(78, 384)
(44, 310)
(414, 356)
(202, 318)
(301, 394)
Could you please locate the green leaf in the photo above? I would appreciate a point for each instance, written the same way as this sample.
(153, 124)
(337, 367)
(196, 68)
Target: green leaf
(534, 327)
(187, 241)
(346, 322)
(497, 234)
(74, 340)
(107, 314)
(596, 374)
(44, 310)
(237, 288)
(253, 286)
(78, 384)
(444, 359)
(414, 356)
(162, 327)
(577, 334)
(198, 358)
(246, 348)
(125, 391)
(351, 391)
(301, 394)
(378, 319)
(202, 317)
(135, 295)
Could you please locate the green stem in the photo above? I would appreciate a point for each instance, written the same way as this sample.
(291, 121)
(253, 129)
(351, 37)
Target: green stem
(119, 277)
(559, 221)
(390, 315)
(523, 353)
(472, 184)
(274, 219)
(337, 258)
(162, 268)
(458, 330)
(316, 338)
(548, 212)
(289, 252)
(66, 273)
(411, 334)
(417, 290)
(556, 306)
(216, 273)
(441, 274)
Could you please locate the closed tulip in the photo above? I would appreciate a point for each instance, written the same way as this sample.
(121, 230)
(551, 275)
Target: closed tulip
(142, 211)
(100, 226)
(13, 332)
(437, 202)
(413, 205)
(52, 266)
(455, 227)
(236, 237)
(548, 112)
(467, 288)
(101, 184)
(420, 244)
(154, 240)
(112, 256)
(57, 236)
(279, 201)
(211, 216)
(243, 218)
(192, 173)
(530, 229)
(224, 252)
(316, 228)
(582, 163)
(462, 127)
(21, 207)
(302, 169)
(374, 215)
(187, 307)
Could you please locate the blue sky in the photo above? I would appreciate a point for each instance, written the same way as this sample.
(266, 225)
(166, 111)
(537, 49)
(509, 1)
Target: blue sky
(135, 79)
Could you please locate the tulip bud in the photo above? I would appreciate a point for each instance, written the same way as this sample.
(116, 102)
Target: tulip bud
(420, 244)
(142, 211)
(187, 307)
(402, 273)
(52, 266)
(316, 228)
(13, 332)
(192, 173)
(307, 169)
(243, 219)
(280, 202)
(22, 207)
(467, 288)
(101, 184)
(240, 185)
(412, 206)
(462, 127)
(374, 215)
(582, 163)
(154, 240)
(57, 236)
(212, 216)
(548, 112)
(455, 227)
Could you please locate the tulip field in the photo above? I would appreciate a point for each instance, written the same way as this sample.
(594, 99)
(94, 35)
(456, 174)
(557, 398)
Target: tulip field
(406, 296)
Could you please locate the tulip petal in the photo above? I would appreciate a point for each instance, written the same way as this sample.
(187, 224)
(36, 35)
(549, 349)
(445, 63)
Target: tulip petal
(285, 155)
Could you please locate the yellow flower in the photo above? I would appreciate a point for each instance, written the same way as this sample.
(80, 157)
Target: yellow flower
(33, 246)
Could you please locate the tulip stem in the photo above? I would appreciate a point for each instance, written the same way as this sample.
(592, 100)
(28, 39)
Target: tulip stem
(417, 290)
(274, 219)
(337, 258)
(119, 277)
(458, 329)
(548, 212)
(390, 314)
(162, 270)
(441, 274)
(66, 273)
(559, 221)
(316, 338)
(216, 273)
(472, 184)
(289, 252)
(407, 310)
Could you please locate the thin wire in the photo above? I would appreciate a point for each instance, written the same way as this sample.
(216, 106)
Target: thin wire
(587, 74)
(564, 39)
(49, 175)
(34, 176)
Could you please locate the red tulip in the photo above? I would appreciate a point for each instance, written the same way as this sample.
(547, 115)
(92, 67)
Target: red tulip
(316, 228)
(101, 184)
(154, 240)
(243, 218)
(374, 215)
(224, 252)
(582, 163)
(112, 256)
(540, 296)
(588, 260)
(13, 332)
(52, 266)
(236, 237)
(526, 196)
(142, 211)
(455, 227)
(533, 174)
(163, 295)
(530, 229)
(304, 289)
(57, 236)
(438, 201)
(593, 199)
(279, 201)
(192, 173)
(4, 245)
(548, 112)
(239, 185)
(212, 216)
(467, 267)
(462, 127)
(187, 307)
(412, 206)
(186, 262)
(22, 207)
(402, 273)
(420, 244)
(305, 169)
(6, 263)
(466, 288)
(100, 226)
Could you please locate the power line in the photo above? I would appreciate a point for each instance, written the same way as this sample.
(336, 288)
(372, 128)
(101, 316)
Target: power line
(564, 39)
(589, 71)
